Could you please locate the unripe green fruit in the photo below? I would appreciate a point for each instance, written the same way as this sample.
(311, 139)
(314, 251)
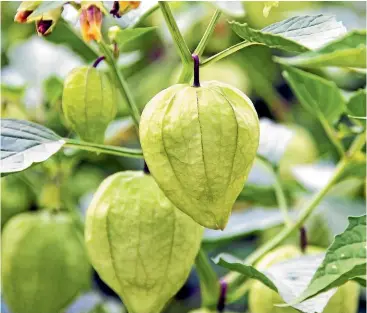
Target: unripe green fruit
(89, 102)
(199, 144)
(16, 197)
(140, 244)
(44, 263)
(263, 300)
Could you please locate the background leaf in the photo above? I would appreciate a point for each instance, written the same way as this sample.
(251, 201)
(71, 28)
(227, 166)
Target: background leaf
(356, 105)
(319, 96)
(24, 143)
(345, 259)
(296, 34)
(244, 223)
(348, 51)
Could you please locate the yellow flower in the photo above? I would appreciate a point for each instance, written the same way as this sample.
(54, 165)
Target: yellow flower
(91, 22)
(47, 22)
(123, 7)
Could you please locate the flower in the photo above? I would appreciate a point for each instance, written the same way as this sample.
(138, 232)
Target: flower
(25, 9)
(46, 22)
(122, 7)
(91, 20)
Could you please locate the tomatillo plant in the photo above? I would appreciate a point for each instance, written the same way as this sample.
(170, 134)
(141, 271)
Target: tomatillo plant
(208, 159)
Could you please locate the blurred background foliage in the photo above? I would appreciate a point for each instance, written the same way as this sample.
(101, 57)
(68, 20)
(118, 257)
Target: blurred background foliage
(32, 73)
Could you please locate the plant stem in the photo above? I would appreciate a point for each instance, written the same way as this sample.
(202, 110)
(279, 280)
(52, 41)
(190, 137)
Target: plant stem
(99, 60)
(123, 87)
(235, 280)
(209, 285)
(281, 199)
(228, 52)
(179, 41)
(332, 135)
(196, 71)
(186, 72)
(94, 147)
(208, 32)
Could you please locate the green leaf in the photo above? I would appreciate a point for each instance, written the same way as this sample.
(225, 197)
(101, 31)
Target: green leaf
(361, 279)
(24, 143)
(123, 36)
(45, 7)
(232, 263)
(319, 96)
(287, 278)
(345, 259)
(296, 34)
(356, 106)
(348, 51)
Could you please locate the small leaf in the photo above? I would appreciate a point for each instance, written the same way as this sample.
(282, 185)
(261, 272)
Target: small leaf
(319, 96)
(24, 143)
(123, 36)
(296, 34)
(232, 263)
(232, 8)
(244, 223)
(356, 106)
(45, 7)
(348, 51)
(345, 259)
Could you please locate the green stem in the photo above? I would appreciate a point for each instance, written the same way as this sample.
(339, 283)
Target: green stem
(228, 52)
(187, 72)
(209, 285)
(123, 87)
(235, 280)
(279, 192)
(332, 135)
(94, 147)
(208, 32)
(179, 41)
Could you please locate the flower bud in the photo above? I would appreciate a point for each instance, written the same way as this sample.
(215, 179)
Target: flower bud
(47, 21)
(91, 20)
(25, 9)
(123, 7)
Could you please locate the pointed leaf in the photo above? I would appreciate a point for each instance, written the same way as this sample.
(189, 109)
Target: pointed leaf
(319, 96)
(232, 263)
(24, 143)
(348, 51)
(345, 260)
(296, 34)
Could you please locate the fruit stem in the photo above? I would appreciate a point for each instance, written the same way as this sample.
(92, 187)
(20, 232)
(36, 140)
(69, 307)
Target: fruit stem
(222, 297)
(93, 147)
(195, 57)
(146, 168)
(99, 60)
(303, 239)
